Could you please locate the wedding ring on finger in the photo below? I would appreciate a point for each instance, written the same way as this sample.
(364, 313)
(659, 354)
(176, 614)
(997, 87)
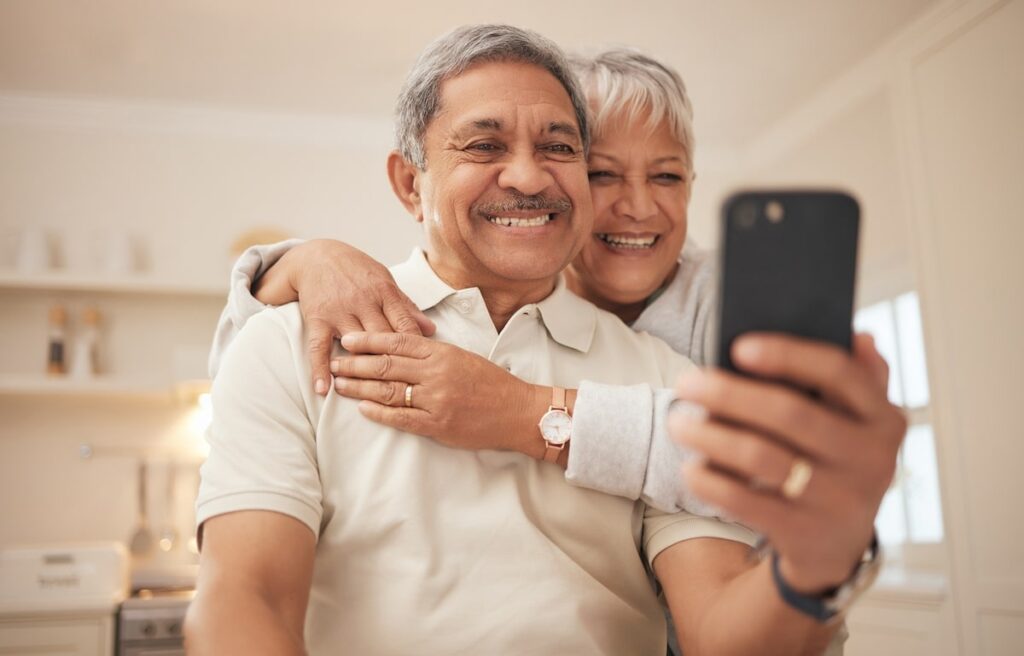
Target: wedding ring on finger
(796, 481)
(408, 395)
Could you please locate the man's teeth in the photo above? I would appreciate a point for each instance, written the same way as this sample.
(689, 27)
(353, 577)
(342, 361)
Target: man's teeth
(622, 241)
(510, 222)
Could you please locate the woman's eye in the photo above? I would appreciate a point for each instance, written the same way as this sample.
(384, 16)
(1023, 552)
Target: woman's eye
(601, 175)
(668, 178)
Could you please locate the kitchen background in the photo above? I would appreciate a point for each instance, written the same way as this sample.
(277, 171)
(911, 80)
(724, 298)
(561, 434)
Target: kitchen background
(142, 144)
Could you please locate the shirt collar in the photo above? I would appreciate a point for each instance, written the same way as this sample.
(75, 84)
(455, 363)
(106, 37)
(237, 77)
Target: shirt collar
(569, 319)
(419, 282)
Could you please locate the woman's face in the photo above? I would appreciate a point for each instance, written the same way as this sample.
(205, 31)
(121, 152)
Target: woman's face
(641, 188)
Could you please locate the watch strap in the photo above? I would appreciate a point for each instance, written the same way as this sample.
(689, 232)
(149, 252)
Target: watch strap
(832, 602)
(558, 399)
(552, 451)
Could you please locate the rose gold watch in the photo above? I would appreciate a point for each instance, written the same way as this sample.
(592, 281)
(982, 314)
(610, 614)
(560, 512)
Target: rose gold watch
(556, 425)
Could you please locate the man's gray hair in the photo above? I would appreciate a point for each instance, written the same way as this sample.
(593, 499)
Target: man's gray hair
(453, 53)
(623, 83)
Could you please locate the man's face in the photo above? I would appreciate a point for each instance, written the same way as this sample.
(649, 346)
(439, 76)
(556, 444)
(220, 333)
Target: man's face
(504, 196)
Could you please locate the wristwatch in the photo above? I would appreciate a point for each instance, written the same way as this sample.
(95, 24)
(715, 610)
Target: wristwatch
(836, 601)
(556, 425)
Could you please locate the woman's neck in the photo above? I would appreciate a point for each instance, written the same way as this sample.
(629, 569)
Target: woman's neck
(628, 312)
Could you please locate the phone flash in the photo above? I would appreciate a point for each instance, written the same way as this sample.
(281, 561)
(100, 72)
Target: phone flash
(774, 211)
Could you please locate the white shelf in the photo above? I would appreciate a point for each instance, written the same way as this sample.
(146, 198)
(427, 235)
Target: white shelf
(110, 386)
(71, 281)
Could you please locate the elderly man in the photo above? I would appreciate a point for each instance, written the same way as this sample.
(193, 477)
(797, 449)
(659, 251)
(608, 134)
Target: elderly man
(400, 545)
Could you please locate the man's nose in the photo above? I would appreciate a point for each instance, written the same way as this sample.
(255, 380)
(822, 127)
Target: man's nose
(526, 174)
(636, 201)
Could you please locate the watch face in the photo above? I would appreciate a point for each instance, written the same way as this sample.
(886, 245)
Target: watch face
(556, 426)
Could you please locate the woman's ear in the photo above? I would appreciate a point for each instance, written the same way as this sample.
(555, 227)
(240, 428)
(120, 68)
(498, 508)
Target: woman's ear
(405, 182)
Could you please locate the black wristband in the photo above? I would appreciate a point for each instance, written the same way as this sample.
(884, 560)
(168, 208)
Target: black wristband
(813, 606)
(831, 602)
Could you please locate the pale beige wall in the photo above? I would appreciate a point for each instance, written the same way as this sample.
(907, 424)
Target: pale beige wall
(967, 99)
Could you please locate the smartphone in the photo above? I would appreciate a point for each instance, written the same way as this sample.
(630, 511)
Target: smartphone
(787, 263)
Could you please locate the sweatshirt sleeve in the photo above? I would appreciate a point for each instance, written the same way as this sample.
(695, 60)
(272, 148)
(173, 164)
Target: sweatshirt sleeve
(241, 304)
(621, 446)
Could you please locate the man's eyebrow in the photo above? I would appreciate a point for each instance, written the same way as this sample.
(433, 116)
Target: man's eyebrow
(484, 124)
(568, 129)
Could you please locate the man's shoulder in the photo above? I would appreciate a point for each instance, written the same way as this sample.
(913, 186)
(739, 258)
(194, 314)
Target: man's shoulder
(270, 333)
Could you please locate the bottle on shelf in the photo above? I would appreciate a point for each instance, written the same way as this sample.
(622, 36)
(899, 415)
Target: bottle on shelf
(56, 364)
(83, 363)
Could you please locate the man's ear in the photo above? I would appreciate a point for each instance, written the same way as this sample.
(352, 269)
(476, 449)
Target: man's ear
(405, 182)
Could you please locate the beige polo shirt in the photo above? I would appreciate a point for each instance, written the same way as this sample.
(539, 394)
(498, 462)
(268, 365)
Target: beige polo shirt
(430, 550)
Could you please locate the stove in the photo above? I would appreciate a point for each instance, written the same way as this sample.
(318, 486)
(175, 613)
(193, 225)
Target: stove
(151, 623)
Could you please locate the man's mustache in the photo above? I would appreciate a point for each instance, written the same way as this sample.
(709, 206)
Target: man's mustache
(517, 202)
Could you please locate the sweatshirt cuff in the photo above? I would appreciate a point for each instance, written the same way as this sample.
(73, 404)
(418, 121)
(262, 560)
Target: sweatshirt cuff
(611, 438)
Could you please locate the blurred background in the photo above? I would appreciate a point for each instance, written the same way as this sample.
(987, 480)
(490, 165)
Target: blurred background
(143, 144)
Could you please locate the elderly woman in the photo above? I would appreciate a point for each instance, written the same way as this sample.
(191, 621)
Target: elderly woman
(635, 266)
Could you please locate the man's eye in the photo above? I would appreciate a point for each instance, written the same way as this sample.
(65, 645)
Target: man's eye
(562, 149)
(483, 147)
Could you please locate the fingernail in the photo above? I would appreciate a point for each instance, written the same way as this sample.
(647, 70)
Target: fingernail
(748, 349)
(335, 366)
(347, 341)
(320, 386)
(339, 384)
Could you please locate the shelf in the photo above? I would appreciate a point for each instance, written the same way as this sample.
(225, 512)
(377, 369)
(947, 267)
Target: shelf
(110, 386)
(70, 281)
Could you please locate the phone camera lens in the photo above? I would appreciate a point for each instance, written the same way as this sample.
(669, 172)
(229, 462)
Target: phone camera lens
(746, 216)
(774, 211)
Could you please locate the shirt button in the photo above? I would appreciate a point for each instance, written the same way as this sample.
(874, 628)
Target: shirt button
(465, 306)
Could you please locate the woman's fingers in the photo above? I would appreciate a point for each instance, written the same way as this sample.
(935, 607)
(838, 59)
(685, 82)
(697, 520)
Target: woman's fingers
(405, 317)
(379, 367)
(321, 340)
(410, 346)
(410, 420)
(384, 392)
(764, 463)
(373, 320)
(811, 365)
(796, 420)
(348, 323)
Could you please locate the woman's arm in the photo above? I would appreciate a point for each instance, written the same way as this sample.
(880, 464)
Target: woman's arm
(619, 444)
(242, 303)
(344, 290)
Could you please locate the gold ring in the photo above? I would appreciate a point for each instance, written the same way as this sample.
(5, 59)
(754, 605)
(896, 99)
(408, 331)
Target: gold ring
(408, 395)
(798, 478)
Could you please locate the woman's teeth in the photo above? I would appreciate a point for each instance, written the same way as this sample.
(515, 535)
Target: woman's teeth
(510, 222)
(622, 241)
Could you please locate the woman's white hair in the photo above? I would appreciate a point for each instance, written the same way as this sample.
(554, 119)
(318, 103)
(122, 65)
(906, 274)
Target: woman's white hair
(624, 83)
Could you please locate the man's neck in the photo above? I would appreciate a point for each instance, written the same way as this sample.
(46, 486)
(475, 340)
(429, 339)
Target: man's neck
(502, 302)
(502, 297)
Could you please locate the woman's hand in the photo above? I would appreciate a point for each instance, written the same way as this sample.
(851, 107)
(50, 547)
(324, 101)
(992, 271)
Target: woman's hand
(458, 398)
(340, 290)
(761, 438)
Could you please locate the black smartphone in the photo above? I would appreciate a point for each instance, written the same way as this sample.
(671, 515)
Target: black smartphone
(787, 263)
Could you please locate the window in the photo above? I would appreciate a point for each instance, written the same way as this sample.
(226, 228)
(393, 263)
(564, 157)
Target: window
(911, 512)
